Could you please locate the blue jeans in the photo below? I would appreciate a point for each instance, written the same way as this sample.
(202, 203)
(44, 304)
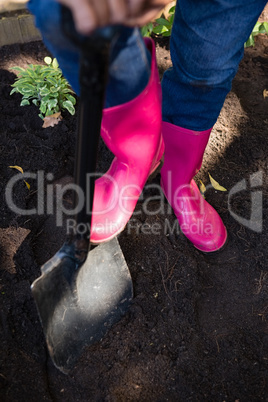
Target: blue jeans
(207, 45)
(130, 60)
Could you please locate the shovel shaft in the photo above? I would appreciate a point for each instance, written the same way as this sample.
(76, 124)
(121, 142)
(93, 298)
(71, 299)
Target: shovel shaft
(94, 63)
(93, 77)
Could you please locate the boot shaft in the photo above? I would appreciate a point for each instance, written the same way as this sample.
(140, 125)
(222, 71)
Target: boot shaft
(132, 130)
(184, 150)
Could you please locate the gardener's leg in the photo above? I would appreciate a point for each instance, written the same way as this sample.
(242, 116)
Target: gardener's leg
(132, 119)
(129, 63)
(207, 44)
(206, 47)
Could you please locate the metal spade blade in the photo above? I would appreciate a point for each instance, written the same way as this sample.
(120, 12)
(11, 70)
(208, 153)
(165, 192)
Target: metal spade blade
(78, 306)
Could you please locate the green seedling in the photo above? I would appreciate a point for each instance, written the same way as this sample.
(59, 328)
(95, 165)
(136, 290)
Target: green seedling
(163, 26)
(160, 26)
(147, 30)
(259, 28)
(45, 86)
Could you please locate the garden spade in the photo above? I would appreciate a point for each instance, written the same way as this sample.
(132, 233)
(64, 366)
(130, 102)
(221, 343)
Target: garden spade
(81, 293)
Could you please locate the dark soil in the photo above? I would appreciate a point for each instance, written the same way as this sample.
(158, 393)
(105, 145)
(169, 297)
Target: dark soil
(197, 328)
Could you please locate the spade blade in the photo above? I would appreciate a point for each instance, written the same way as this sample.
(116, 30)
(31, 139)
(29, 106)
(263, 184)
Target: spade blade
(77, 305)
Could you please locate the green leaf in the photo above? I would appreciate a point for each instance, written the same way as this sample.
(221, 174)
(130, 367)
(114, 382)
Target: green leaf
(19, 69)
(38, 69)
(71, 99)
(262, 29)
(54, 90)
(158, 30)
(46, 99)
(259, 28)
(24, 102)
(250, 42)
(48, 60)
(43, 107)
(55, 64)
(52, 103)
(69, 106)
(44, 91)
(24, 81)
(26, 91)
(46, 70)
(29, 87)
(32, 73)
(168, 33)
(39, 81)
(265, 24)
(63, 82)
(256, 28)
(13, 91)
(66, 91)
(147, 30)
(162, 21)
(52, 81)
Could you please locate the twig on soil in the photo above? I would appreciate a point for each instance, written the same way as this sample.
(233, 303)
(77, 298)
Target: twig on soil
(260, 282)
(216, 338)
(263, 313)
(169, 276)
(42, 146)
(38, 234)
(24, 126)
(163, 280)
(217, 343)
(241, 237)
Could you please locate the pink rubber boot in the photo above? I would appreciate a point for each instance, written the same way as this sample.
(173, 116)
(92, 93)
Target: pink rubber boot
(198, 220)
(132, 131)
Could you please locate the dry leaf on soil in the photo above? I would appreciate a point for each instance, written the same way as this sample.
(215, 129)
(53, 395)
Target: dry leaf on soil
(215, 184)
(21, 170)
(52, 120)
(202, 188)
(17, 167)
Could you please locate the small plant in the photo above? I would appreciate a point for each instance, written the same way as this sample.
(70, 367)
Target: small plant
(259, 28)
(147, 29)
(45, 86)
(163, 26)
(160, 26)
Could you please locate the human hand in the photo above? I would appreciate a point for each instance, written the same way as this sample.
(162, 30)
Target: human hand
(91, 14)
